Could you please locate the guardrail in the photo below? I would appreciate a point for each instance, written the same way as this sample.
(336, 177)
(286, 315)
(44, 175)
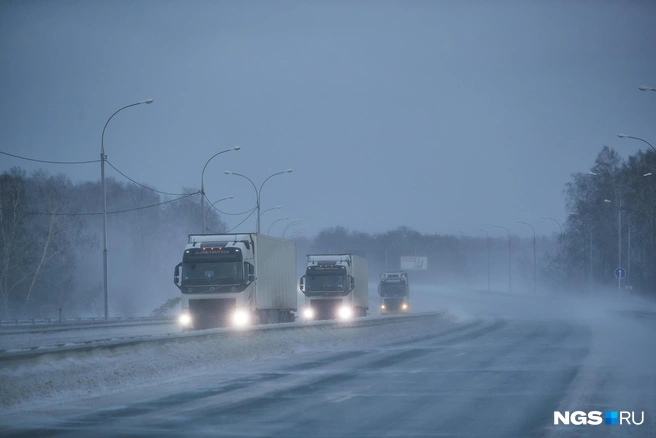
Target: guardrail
(98, 320)
(47, 325)
(204, 334)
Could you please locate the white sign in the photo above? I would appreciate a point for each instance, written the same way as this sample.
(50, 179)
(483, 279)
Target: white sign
(413, 263)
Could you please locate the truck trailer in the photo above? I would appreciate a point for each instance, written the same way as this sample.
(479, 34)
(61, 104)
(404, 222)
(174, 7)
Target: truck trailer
(394, 292)
(336, 286)
(236, 280)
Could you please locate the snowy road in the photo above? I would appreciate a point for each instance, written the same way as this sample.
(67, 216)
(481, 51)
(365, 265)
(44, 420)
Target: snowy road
(481, 376)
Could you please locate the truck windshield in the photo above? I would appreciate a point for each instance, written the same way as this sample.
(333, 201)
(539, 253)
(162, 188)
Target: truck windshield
(392, 289)
(212, 273)
(325, 282)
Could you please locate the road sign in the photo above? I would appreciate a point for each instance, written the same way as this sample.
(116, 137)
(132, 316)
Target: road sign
(410, 263)
(620, 273)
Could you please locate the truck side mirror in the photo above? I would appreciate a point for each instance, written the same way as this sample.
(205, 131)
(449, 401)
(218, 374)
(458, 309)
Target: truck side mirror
(251, 272)
(176, 275)
(352, 282)
(302, 286)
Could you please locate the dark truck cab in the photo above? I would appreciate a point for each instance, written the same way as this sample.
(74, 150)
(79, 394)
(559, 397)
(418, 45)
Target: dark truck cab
(394, 292)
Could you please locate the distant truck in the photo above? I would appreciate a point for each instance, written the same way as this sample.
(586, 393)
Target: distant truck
(394, 292)
(336, 286)
(236, 280)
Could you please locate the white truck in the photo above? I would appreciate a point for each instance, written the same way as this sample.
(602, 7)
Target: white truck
(236, 280)
(336, 286)
(394, 292)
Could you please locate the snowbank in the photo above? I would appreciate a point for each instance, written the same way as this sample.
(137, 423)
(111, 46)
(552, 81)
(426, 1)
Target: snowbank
(48, 379)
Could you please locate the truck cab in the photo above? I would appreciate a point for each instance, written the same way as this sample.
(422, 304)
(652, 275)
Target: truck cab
(335, 287)
(394, 292)
(236, 280)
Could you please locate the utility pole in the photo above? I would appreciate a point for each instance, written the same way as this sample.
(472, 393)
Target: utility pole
(509, 258)
(488, 257)
(628, 268)
(103, 158)
(619, 245)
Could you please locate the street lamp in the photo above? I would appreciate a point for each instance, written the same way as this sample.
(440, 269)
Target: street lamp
(466, 267)
(274, 222)
(298, 232)
(103, 158)
(559, 226)
(645, 88)
(202, 182)
(272, 208)
(258, 192)
(509, 258)
(288, 226)
(619, 240)
(636, 138)
(488, 257)
(535, 261)
(212, 206)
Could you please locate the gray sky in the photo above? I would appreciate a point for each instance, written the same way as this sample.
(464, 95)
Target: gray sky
(438, 115)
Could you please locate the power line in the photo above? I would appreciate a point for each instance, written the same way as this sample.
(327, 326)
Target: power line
(229, 231)
(35, 213)
(229, 214)
(49, 162)
(142, 185)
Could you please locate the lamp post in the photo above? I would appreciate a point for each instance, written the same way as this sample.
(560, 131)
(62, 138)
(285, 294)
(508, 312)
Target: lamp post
(258, 192)
(103, 158)
(288, 226)
(557, 223)
(466, 264)
(573, 213)
(535, 261)
(212, 206)
(488, 257)
(297, 233)
(202, 182)
(619, 240)
(637, 138)
(274, 222)
(509, 258)
(272, 208)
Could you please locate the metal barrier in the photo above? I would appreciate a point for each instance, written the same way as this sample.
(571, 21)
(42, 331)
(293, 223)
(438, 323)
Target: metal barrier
(91, 320)
(210, 333)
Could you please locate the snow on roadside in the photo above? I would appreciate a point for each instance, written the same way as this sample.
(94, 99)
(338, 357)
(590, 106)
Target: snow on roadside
(47, 379)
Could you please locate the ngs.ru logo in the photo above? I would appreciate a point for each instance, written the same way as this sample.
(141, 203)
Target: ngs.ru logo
(595, 418)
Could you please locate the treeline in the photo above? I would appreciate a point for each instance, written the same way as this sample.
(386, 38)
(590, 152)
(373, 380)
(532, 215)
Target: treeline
(51, 242)
(452, 260)
(51, 245)
(590, 250)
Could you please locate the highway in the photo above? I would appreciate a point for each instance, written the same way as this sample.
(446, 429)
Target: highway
(500, 370)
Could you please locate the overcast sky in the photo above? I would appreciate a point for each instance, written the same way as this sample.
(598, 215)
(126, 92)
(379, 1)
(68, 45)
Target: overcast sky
(438, 115)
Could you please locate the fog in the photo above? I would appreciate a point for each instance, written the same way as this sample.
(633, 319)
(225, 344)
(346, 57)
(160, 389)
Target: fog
(408, 129)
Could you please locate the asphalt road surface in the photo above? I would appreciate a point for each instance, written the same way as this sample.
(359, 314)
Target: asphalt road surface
(485, 376)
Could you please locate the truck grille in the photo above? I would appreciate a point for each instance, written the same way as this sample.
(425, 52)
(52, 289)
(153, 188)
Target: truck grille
(211, 312)
(393, 305)
(325, 309)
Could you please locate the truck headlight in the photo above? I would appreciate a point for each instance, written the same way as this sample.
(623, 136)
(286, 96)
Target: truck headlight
(308, 313)
(184, 319)
(241, 317)
(404, 306)
(345, 312)
(382, 306)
